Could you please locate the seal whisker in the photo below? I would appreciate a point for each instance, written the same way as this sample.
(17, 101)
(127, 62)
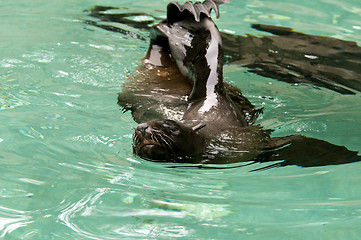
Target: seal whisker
(152, 137)
(163, 137)
(165, 140)
(156, 137)
(136, 139)
(169, 139)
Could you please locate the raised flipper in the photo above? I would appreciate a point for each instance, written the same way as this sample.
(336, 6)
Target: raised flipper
(186, 33)
(177, 12)
(304, 151)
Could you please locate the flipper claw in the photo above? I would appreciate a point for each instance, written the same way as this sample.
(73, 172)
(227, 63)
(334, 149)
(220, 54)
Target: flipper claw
(175, 11)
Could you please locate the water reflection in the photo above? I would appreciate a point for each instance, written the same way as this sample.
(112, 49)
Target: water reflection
(85, 205)
(11, 219)
(142, 212)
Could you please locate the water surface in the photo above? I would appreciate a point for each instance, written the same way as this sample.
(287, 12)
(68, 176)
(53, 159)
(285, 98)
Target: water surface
(67, 169)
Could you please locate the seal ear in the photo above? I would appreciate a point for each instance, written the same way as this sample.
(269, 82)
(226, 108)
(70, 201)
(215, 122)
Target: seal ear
(198, 127)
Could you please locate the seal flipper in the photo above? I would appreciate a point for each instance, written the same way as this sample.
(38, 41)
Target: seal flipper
(185, 27)
(196, 46)
(305, 152)
(168, 39)
(177, 12)
(158, 52)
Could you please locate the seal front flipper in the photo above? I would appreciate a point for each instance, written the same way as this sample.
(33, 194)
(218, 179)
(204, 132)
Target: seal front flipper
(188, 32)
(177, 12)
(170, 39)
(195, 45)
(305, 152)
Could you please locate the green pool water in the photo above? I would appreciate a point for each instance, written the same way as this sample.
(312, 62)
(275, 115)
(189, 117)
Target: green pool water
(67, 169)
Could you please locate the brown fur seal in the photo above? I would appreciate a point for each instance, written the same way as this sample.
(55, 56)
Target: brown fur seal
(190, 115)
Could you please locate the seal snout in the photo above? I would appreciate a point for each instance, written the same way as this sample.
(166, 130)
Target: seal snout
(149, 143)
(143, 139)
(141, 128)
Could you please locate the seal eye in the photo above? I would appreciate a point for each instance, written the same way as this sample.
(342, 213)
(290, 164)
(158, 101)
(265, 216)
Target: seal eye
(174, 131)
(170, 127)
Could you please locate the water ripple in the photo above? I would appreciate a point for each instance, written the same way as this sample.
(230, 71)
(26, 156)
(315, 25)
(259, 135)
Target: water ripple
(66, 175)
(11, 95)
(11, 219)
(85, 205)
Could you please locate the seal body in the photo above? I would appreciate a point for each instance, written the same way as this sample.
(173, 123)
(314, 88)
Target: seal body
(185, 62)
(188, 114)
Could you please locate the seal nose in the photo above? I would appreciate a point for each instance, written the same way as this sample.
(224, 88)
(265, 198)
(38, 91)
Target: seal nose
(142, 127)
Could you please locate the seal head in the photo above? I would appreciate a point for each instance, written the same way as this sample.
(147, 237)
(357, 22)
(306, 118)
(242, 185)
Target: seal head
(162, 140)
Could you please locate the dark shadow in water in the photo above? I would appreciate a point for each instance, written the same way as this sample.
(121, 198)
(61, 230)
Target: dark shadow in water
(288, 56)
(295, 57)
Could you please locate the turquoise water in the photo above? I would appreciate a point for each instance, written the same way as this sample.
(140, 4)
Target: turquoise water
(67, 169)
